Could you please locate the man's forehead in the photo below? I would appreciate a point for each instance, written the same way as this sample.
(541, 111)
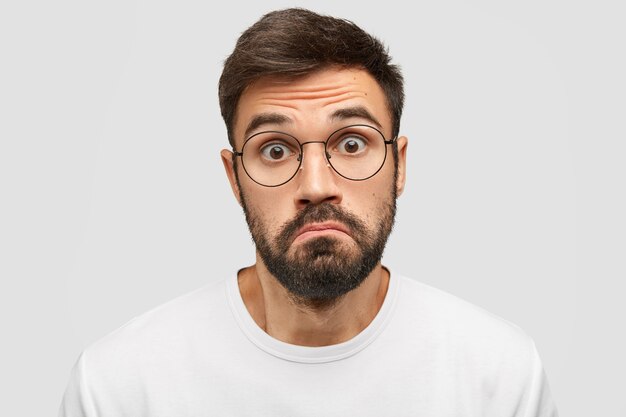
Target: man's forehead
(338, 93)
(313, 84)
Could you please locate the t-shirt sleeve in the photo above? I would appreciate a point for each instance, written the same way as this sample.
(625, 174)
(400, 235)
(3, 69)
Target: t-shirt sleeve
(539, 397)
(77, 400)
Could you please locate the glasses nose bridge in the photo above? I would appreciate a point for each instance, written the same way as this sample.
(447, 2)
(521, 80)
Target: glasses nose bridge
(323, 142)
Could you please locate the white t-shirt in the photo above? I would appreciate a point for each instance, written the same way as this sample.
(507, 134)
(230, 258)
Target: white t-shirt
(426, 353)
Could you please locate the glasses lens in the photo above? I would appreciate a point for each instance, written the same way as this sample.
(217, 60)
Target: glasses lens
(357, 152)
(271, 158)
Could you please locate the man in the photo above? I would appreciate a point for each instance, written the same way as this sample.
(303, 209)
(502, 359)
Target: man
(317, 326)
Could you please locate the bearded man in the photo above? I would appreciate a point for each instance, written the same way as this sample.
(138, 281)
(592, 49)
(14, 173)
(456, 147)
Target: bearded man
(317, 326)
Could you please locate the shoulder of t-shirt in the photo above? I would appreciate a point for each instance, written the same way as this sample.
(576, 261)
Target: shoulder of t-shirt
(499, 354)
(181, 315)
(463, 323)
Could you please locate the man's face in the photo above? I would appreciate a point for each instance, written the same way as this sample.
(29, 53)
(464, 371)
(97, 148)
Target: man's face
(319, 234)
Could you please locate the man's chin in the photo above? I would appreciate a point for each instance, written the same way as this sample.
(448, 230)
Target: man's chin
(317, 275)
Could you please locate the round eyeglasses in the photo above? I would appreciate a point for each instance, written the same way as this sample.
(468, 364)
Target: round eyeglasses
(272, 158)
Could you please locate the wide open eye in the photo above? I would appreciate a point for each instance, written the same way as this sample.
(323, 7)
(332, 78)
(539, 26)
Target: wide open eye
(275, 151)
(350, 145)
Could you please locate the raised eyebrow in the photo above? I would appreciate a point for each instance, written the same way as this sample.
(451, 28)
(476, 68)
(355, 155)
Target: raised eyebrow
(355, 111)
(261, 119)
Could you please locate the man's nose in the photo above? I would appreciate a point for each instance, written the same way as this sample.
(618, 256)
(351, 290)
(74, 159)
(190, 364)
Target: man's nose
(316, 178)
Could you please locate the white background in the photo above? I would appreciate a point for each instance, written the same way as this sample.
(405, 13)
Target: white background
(114, 200)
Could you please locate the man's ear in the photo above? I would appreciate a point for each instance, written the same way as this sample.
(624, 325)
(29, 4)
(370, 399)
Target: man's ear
(402, 142)
(227, 160)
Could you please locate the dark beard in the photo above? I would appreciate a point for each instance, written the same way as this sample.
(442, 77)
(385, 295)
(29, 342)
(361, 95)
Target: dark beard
(324, 269)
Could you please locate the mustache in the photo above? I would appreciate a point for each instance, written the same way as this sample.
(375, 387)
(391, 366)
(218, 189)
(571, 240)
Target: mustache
(321, 213)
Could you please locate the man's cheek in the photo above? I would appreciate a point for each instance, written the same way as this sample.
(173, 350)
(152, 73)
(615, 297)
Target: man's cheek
(273, 224)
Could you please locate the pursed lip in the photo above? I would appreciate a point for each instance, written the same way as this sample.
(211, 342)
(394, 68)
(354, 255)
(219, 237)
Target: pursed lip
(320, 227)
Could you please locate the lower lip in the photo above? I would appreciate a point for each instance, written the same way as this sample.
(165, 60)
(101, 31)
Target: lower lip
(318, 233)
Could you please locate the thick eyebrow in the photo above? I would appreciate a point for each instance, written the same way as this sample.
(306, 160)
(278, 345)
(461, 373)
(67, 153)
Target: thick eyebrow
(355, 111)
(261, 119)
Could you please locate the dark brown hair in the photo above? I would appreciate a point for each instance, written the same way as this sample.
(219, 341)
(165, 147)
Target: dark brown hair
(296, 42)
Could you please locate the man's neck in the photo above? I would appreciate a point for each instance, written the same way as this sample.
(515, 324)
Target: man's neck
(272, 309)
